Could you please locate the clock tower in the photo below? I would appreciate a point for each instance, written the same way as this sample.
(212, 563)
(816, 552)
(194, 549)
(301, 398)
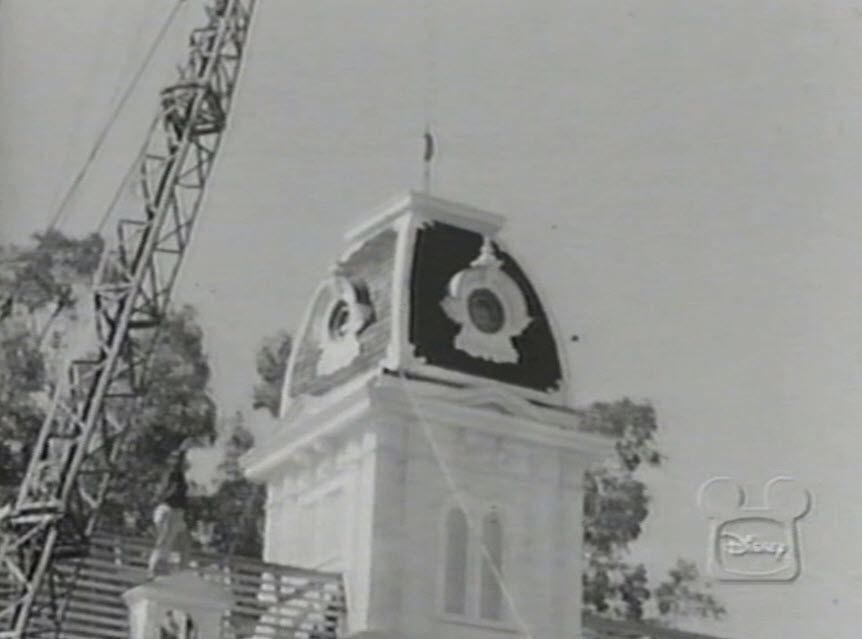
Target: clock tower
(425, 448)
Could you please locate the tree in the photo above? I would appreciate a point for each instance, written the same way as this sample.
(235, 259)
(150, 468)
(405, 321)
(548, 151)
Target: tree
(41, 275)
(679, 595)
(39, 290)
(40, 286)
(616, 503)
(175, 408)
(22, 374)
(230, 519)
(272, 359)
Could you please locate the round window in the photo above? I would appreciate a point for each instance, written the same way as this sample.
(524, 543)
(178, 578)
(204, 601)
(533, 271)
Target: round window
(339, 318)
(486, 310)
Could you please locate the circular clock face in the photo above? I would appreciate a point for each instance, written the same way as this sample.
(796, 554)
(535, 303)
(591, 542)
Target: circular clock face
(486, 310)
(338, 321)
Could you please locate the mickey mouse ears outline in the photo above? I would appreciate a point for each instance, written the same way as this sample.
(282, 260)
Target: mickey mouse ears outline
(783, 497)
(725, 504)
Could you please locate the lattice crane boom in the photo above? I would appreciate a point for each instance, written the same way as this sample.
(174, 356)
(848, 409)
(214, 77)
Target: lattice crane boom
(81, 440)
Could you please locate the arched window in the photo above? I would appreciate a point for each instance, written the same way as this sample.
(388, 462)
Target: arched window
(491, 594)
(455, 579)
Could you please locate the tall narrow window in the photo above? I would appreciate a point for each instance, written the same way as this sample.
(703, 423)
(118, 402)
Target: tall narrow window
(455, 582)
(491, 593)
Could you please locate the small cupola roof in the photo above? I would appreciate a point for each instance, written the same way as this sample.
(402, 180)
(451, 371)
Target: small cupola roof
(427, 290)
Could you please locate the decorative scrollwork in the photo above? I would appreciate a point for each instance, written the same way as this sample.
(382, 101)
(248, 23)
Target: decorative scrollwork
(488, 306)
(347, 313)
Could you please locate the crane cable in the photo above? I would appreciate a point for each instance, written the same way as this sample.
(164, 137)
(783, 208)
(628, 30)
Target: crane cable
(126, 181)
(87, 81)
(461, 502)
(103, 134)
(6, 306)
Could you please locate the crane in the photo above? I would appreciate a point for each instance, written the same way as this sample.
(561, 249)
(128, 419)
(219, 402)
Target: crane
(80, 444)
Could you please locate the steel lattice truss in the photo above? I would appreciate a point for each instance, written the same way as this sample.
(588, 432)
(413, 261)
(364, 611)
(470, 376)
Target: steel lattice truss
(81, 440)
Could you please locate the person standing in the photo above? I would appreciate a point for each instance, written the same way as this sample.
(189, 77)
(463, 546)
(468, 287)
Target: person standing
(169, 516)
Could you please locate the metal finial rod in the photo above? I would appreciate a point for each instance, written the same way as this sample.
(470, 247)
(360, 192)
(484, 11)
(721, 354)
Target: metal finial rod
(426, 158)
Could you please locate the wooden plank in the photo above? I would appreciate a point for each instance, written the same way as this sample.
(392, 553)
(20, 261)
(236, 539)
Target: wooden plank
(73, 629)
(141, 547)
(274, 600)
(96, 615)
(98, 606)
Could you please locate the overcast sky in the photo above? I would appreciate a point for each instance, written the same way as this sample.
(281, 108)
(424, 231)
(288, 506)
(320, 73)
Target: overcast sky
(681, 180)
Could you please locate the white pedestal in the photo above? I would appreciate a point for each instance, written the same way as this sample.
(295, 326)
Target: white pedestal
(184, 601)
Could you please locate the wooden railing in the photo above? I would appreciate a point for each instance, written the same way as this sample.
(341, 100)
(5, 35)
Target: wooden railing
(270, 601)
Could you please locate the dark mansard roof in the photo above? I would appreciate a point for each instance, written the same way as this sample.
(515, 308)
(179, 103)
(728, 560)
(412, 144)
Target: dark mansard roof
(428, 289)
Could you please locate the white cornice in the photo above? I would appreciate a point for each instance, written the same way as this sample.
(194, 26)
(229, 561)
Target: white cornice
(475, 391)
(304, 430)
(437, 208)
(380, 401)
(437, 410)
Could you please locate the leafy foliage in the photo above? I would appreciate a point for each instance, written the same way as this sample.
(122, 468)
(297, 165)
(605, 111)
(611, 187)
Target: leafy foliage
(230, 520)
(616, 503)
(44, 274)
(22, 374)
(678, 596)
(39, 285)
(271, 366)
(175, 408)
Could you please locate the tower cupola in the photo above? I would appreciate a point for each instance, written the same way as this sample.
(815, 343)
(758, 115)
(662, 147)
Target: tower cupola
(424, 448)
(427, 288)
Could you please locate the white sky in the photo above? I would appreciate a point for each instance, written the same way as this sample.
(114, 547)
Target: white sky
(680, 178)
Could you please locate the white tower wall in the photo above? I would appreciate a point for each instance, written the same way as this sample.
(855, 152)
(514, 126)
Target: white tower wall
(425, 382)
(367, 494)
